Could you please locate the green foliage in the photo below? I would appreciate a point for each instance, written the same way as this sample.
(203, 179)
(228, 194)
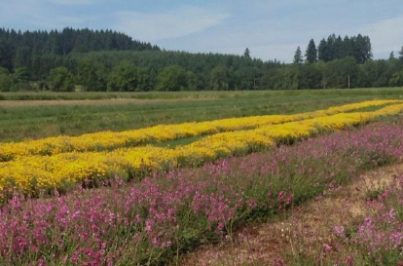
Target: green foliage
(311, 54)
(334, 48)
(397, 79)
(21, 79)
(22, 74)
(401, 54)
(92, 75)
(5, 80)
(192, 81)
(23, 47)
(245, 77)
(4, 71)
(310, 76)
(60, 79)
(338, 72)
(106, 60)
(298, 56)
(123, 77)
(219, 78)
(6, 54)
(172, 78)
(127, 77)
(377, 73)
(247, 53)
(323, 51)
(147, 79)
(288, 78)
(392, 56)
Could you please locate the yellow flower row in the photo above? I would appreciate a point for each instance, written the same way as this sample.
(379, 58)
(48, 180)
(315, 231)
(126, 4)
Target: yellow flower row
(35, 173)
(131, 138)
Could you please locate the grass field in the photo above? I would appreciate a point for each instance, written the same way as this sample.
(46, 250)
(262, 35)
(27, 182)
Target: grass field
(157, 196)
(36, 115)
(35, 96)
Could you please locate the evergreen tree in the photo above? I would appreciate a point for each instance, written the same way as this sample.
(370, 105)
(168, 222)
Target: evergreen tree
(298, 56)
(331, 46)
(338, 48)
(311, 55)
(348, 46)
(106, 59)
(6, 54)
(19, 49)
(323, 51)
(392, 56)
(334, 48)
(401, 54)
(246, 54)
(362, 48)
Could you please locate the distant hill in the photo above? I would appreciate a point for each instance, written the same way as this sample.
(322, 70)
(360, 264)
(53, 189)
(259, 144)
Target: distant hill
(19, 49)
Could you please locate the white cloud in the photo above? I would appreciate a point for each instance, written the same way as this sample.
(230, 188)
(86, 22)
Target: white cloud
(37, 14)
(164, 25)
(263, 26)
(386, 35)
(267, 39)
(281, 52)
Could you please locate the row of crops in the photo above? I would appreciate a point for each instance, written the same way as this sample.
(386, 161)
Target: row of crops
(58, 163)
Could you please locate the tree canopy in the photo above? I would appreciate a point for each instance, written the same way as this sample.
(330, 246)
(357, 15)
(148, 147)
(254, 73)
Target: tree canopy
(172, 78)
(334, 48)
(311, 54)
(298, 56)
(105, 60)
(60, 79)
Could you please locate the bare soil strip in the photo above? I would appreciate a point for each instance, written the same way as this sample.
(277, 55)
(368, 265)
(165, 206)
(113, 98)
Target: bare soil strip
(261, 244)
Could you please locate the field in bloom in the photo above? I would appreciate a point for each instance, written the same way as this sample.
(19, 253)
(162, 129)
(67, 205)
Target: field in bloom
(113, 140)
(153, 221)
(36, 173)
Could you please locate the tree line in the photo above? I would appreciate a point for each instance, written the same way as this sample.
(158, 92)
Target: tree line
(117, 63)
(23, 49)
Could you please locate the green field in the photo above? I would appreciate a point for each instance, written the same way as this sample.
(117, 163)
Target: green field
(36, 115)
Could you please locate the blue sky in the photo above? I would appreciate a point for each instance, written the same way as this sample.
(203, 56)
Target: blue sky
(272, 29)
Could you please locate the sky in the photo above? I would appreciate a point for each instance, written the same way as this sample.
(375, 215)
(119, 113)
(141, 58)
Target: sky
(271, 29)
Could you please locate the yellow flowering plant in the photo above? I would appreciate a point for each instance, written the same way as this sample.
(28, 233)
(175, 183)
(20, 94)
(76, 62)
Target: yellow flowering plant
(108, 141)
(32, 174)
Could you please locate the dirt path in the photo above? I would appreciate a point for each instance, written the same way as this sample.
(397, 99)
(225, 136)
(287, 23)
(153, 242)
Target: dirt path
(264, 243)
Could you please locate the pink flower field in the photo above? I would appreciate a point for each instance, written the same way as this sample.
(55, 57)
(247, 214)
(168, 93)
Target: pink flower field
(157, 220)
